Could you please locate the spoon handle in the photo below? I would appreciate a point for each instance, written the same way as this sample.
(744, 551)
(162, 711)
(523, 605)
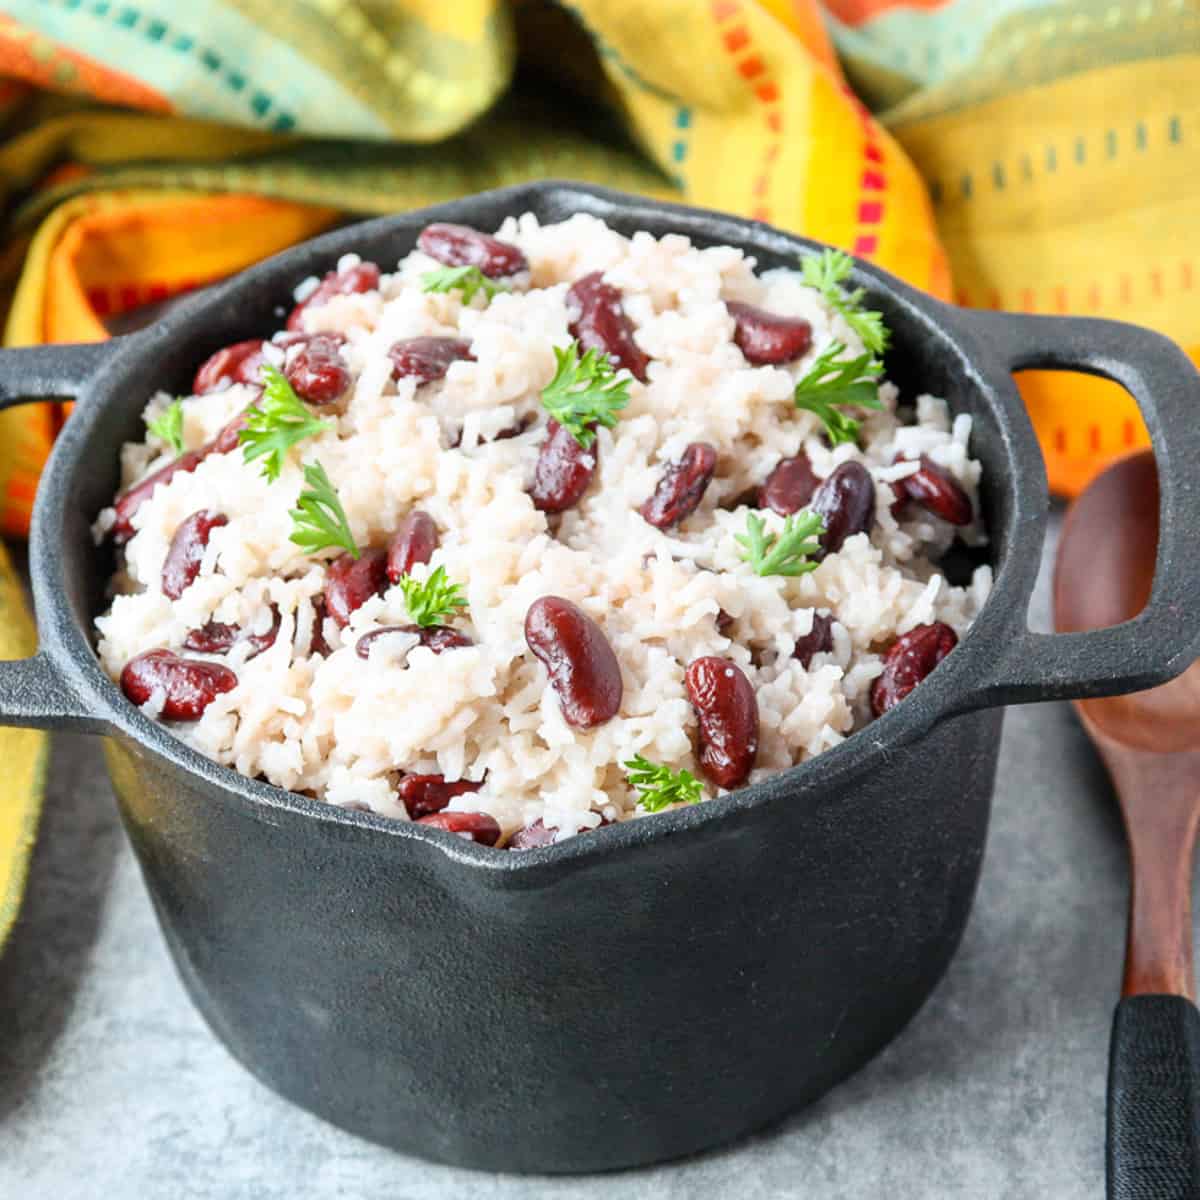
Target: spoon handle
(1154, 1100)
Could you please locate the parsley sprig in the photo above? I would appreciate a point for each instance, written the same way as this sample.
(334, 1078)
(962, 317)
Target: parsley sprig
(276, 423)
(787, 553)
(826, 272)
(433, 602)
(657, 786)
(468, 280)
(584, 392)
(318, 520)
(168, 426)
(835, 380)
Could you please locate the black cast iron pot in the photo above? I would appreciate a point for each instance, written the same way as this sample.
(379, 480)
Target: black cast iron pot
(655, 987)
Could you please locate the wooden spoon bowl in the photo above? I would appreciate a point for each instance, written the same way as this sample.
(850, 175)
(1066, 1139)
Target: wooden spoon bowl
(1150, 741)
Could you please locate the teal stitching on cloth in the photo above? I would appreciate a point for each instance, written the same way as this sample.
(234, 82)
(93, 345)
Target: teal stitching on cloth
(156, 31)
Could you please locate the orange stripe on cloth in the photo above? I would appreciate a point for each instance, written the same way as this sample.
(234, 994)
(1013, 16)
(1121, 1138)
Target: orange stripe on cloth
(142, 252)
(39, 60)
(26, 433)
(872, 185)
(804, 19)
(765, 89)
(859, 12)
(133, 246)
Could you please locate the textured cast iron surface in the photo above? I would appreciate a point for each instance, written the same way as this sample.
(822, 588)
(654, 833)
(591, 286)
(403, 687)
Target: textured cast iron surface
(678, 980)
(1153, 1103)
(622, 1010)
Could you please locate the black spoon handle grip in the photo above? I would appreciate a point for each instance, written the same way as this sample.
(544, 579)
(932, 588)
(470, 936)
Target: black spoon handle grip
(1154, 1100)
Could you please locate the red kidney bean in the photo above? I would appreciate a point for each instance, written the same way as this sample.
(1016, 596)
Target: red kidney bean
(724, 622)
(425, 794)
(363, 277)
(563, 470)
(577, 656)
(767, 338)
(238, 363)
(462, 246)
(934, 489)
(427, 359)
(351, 582)
(214, 637)
(539, 834)
(227, 440)
(749, 498)
(190, 684)
(681, 487)
(317, 643)
(414, 542)
(789, 487)
(128, 502)
(818, 640)
(264, 641)
(182, 564)
(846, 502)
(512, 431)
(317, 371)
(909, 659)
(474, 826)
(438, 638)
(727, 712)
(599, 323)
(532, 836)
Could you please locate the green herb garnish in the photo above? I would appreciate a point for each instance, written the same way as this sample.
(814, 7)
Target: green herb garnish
(433, 602)
(657, 786)
(825, 272)
(833, 380)
(584, 392)
(467, 280)
(786, 553)
(276, 423)
(168, 426)
(318, 520)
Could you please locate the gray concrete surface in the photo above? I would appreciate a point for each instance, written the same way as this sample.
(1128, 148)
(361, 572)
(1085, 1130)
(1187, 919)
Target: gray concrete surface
(110, 1086)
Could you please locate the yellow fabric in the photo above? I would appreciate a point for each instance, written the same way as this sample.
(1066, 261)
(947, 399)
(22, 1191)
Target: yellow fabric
(1103, 223)
(1059, 142)
(23, 754)
(116, 250)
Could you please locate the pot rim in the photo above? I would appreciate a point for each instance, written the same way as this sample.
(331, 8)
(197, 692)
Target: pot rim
(949, 690)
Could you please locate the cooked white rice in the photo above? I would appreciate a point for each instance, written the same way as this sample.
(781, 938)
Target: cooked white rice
(340, 727)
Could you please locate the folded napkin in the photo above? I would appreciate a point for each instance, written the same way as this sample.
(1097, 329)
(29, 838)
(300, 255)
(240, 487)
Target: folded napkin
(150, 147)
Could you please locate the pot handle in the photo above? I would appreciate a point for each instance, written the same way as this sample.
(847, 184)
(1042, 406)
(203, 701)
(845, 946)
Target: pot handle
(35, 691)
(31, 373)
(1164, 638)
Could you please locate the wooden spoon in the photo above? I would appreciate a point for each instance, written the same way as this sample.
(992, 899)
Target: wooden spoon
(1150, 742)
